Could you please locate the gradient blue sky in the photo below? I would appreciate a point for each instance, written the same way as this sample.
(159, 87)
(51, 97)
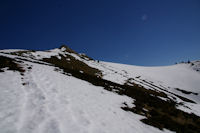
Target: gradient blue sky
(139, 32)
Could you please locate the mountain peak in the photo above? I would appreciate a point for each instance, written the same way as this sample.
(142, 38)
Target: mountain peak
(66, 48)
(63, 46)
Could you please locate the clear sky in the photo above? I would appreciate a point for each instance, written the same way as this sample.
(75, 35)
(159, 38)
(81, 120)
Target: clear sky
(138, 32)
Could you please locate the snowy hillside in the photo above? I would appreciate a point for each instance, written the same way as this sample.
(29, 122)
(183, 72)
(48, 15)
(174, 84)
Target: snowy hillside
(60, 91)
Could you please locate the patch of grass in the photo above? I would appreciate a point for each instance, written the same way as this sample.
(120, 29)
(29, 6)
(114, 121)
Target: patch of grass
(186, 92)
(73, 65)
(161, 114)
(10, 64)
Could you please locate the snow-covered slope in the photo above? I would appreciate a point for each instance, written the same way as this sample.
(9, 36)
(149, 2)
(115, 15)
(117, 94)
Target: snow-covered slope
(180, 79)
(51, 102)
(53, 97)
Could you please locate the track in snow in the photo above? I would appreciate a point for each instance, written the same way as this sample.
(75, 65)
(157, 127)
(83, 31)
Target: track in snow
(50, 102)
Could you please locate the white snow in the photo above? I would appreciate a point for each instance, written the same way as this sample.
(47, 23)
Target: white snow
(193, 108)
(51, 102)
(63, 49)
(45, 54)
(12, 50)
(56, 103)
(182, 76)
(11, 100)
(176, 76)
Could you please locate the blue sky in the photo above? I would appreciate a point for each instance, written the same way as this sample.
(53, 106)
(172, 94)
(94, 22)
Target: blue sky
(138, 32)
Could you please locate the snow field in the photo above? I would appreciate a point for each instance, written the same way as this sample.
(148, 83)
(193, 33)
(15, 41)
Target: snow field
(52, 102)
